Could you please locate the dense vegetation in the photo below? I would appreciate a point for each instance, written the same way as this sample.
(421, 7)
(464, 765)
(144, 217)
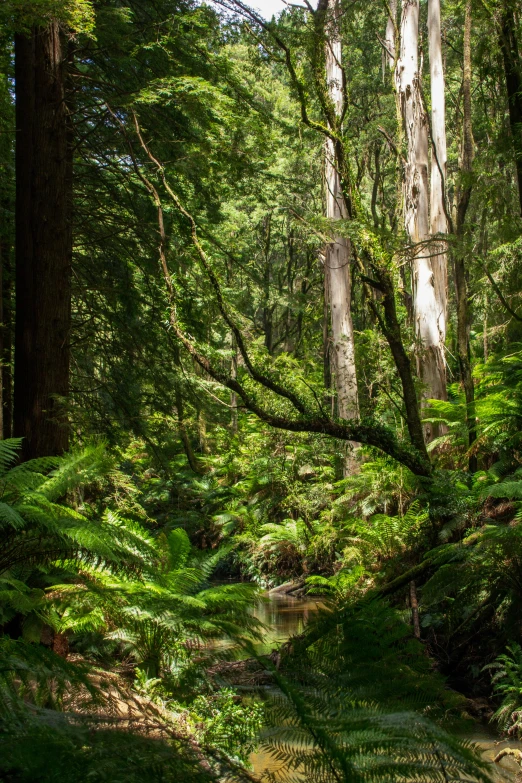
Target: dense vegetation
(260, 322)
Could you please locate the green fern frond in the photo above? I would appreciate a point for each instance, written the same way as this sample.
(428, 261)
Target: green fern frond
(9, 453)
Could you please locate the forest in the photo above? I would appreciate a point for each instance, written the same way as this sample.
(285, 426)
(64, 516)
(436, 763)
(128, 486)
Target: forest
(260, 342)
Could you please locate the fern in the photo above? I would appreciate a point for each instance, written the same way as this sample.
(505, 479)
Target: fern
(507, 683)
(160, 616)
(353, 702)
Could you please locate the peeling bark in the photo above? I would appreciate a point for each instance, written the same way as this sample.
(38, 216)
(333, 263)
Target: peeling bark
(427, 315)
(438, 220)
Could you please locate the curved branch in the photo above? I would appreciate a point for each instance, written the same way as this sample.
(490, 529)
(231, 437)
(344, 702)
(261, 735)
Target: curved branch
(366, 431)
(500, 295)
(261, 378)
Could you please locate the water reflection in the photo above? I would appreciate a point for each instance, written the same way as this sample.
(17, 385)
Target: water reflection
(490, 745)
(284, 616)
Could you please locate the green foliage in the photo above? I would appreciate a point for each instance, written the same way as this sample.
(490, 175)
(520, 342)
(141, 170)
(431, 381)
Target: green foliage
(507, 684)
(340, 585)
(229, 724)
(44, 541)
(162, 619)
(381, 485)
(78, 15)
(61, 751)
(97, 579)
(383, 537)
(478, 580)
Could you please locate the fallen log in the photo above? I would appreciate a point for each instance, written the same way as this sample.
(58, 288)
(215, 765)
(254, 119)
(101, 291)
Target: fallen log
(287, 588)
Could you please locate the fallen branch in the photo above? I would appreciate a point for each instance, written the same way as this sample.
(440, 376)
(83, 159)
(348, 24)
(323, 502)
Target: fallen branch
(513, 752)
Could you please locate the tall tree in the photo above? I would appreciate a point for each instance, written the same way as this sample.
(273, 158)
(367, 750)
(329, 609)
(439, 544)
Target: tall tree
(430, 355)
(7, 192)
(338, 251)
(513, 79)
(438, 219)
(43, 240)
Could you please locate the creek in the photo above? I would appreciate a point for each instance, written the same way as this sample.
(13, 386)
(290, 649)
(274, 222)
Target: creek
(285, 616)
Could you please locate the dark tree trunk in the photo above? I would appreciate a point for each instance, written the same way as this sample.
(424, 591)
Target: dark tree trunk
(43, 242)
(510, 55)
(7, 376)
(414, 610)
(6, 397)
(3, 257)
(185, 439)
(391, 329)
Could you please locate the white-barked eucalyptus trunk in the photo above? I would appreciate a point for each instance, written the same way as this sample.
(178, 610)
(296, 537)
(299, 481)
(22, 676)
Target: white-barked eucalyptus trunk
(389, 38)
(338, 251)
(438, 220)
(430, 353)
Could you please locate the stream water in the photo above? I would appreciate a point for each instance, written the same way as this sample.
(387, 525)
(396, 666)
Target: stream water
(285, 616)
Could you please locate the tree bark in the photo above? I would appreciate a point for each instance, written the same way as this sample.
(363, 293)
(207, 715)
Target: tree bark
(461, 282)
(7, 377)
(391, 329)
(389, 38)
(43, 241)
(6, 395)
(414, 610)
(3, 260)
(268, 310)
(430, 355)
(513, 78)
(438, 220)
(338, 251)
(233, 395)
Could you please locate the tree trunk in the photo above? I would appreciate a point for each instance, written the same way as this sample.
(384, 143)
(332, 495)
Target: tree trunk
(183, 434)
(268, 310)
(7, 378)
(438, 220)
(430, 356)
(390, 326)
(43, 241)
(327, 370)
(513, 77)
(6, 398)
(233, 395)
(3, 262)
(414, 610)
(389, 38)
(338, 251)
(461, 283)
(180, 415)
